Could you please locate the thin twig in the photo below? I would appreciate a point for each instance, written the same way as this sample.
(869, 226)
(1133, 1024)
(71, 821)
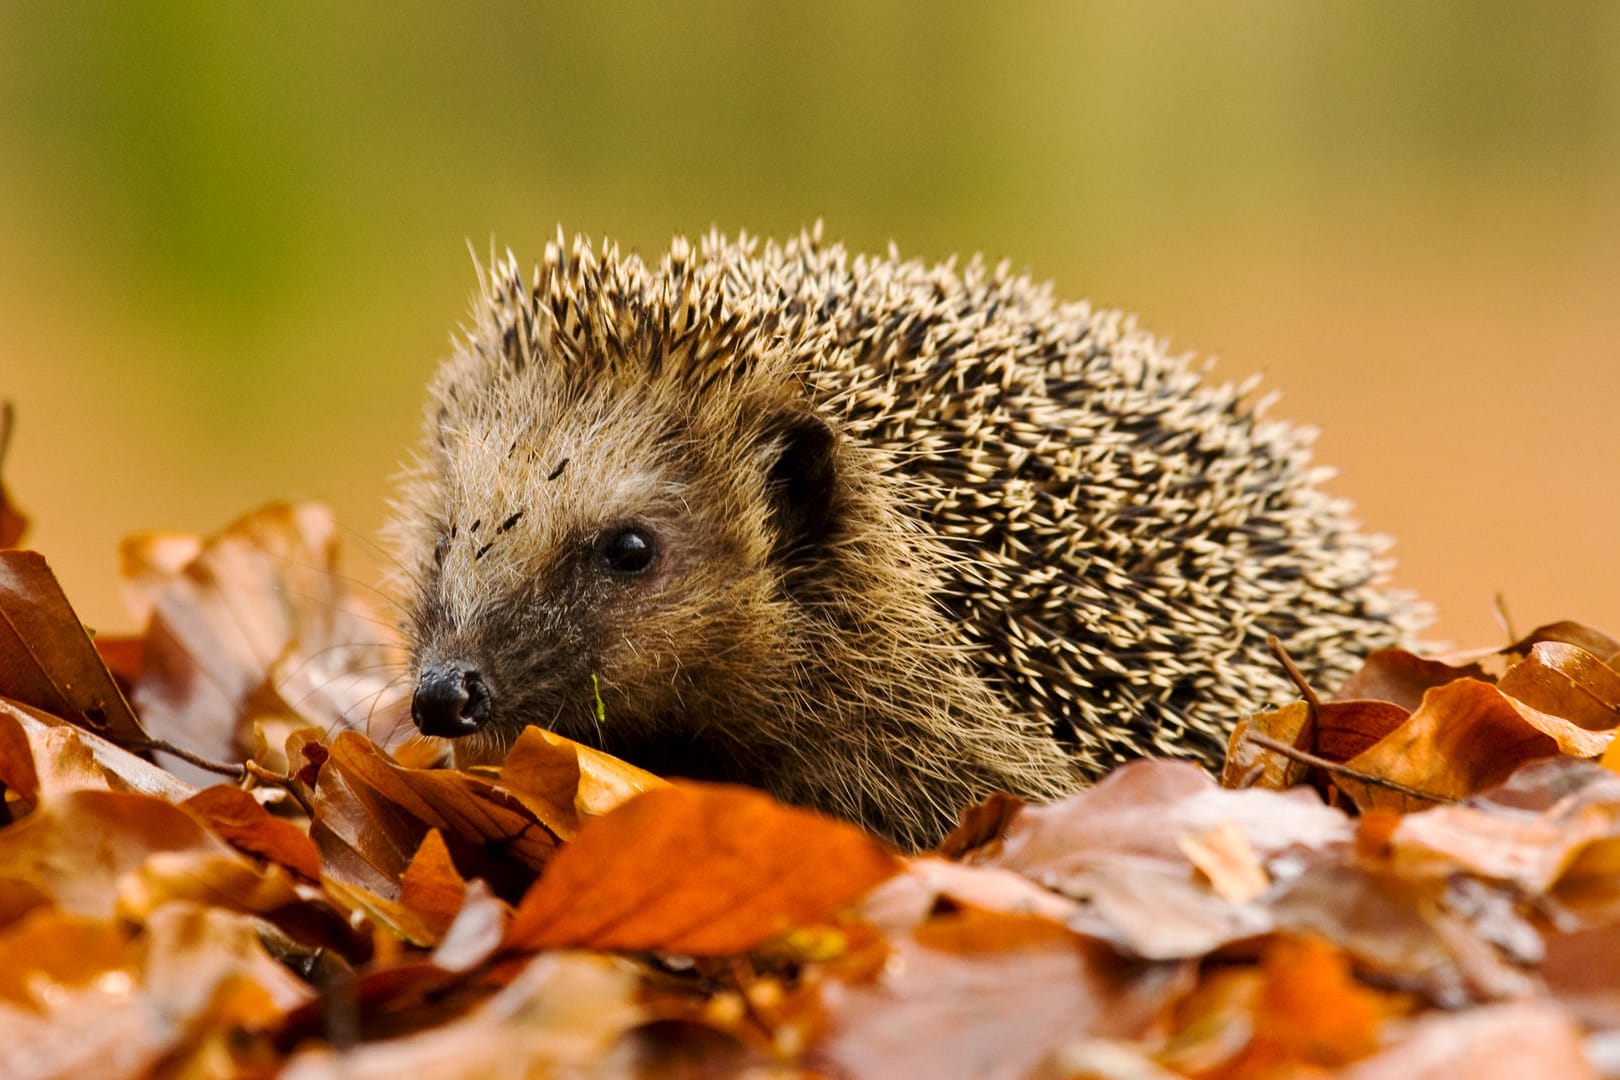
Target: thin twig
(1334, 767)
(1294, 674)
(223, 768)
(1505, 618)
(280, 780)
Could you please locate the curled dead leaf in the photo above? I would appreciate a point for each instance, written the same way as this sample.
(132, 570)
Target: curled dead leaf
(46, 658)
(1465, 737)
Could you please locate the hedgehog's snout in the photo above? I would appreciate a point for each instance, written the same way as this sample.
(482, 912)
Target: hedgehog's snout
(451, 699)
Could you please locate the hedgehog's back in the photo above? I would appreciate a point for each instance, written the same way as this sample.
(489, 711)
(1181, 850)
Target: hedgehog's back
(1128, 534)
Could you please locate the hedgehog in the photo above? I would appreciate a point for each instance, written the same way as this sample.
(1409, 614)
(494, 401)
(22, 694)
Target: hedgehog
(877, 536)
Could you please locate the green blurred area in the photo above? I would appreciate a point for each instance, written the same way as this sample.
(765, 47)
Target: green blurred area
(235, 237)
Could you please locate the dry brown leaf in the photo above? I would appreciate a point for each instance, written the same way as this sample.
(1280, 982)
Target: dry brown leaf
(911, 896)
(47, 754)
(697, 869)
(255, 625)
(1466, 736)
(476, 932)
(565, 783)
(191, 987)
(431, 885)
(237, 818)
(372, 815)
(1530, 831)
(48, 949)
(983, 996)
(1493, 1042)
(563, 1015)
(46, 659)
(78, 846)
(1566, 681)
(1299, 1012)
(1567, 632)
(1402, 678)
(1386, 921)
(1224, 855)
(1311, 1009)
(981, 825)
(1248, 764)
(1579, 972)
(1347, 728)
(1117, 846)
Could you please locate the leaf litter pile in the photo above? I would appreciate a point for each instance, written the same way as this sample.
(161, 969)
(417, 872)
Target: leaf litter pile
(224, 853)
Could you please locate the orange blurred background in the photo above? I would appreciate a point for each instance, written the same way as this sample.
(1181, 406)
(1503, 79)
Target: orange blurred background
(233, 238)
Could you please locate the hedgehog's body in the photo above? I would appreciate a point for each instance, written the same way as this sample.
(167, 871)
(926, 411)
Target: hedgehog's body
(863, 532)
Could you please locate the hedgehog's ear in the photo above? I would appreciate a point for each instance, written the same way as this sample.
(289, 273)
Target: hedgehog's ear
(800, 479)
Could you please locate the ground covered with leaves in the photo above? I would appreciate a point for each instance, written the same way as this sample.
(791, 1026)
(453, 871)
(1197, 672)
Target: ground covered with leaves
(222, 854)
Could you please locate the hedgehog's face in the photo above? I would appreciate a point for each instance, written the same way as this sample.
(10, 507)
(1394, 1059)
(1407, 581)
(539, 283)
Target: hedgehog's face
(614, 576)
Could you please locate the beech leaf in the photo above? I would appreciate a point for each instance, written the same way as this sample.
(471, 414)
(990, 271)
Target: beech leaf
(698, 869)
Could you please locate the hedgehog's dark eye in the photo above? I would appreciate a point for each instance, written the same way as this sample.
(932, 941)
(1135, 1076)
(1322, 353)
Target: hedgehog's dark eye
(626, 550)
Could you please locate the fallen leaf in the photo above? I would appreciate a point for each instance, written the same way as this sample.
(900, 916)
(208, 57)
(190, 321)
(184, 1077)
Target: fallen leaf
(984, 996)
(1492, 1042)
(1386, 921)
(562, 1015)
(431, 885)
(237, 818)
(79, 845)
(1465, 737)
(1117, 847)
(1402, 678)
(371, 816)
(1311, 1009)
(1596, 642)
(697, 869)
(981, 825)
(475, 933)
(46, 754)
(1568, 682)
(565, 783)
(46, 659)
(907, 899)
(192, 983)
(1347, 728)
(1529, 831)
(48, 949)
(1248, 764)
(254, 623)
(1224, 855)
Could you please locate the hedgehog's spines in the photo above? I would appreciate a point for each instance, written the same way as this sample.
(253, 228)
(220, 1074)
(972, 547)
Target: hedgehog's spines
(1048, 523)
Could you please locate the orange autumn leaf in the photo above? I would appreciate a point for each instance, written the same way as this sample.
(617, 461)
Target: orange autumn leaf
(698, 869)
(41, 755)
(237, 818)
(1566, 680)
(1311, 1009)
(566, 783)
(431, 885)
(1465, 737)
(1248, 764)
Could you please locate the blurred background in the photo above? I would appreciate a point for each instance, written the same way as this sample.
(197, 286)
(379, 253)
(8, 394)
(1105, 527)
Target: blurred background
(233, 238)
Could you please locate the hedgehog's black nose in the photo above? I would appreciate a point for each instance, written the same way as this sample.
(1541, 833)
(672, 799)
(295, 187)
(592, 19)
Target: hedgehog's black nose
(451, 699)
